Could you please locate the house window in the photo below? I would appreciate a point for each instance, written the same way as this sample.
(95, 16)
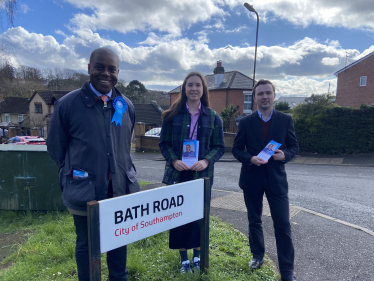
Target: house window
(363, 80)
(7, 117)
(38, 108)
(41, 132)
(20, 117)
(247, 101)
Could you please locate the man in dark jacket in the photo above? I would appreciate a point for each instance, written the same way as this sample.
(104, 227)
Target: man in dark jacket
(91, 146)
(259, 176)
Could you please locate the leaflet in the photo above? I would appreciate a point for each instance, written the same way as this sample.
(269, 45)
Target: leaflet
(77, 174)
(269, 150)
(190, 153)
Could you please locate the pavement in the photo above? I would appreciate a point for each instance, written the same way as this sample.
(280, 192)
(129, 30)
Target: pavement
(325, 248)
(309, 159)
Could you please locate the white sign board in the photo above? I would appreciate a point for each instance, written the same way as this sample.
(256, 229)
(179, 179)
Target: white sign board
(15, 147)
(133, 217)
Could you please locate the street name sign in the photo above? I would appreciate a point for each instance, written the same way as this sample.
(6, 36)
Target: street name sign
(126, 219)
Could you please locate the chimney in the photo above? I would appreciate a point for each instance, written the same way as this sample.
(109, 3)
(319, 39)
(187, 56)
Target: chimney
(218, 74)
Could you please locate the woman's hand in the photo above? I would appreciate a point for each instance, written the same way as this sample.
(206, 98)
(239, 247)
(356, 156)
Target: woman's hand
(200, 165)
(180, 165)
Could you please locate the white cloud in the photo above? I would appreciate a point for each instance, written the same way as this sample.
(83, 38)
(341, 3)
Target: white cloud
(24, 8)
(364, 53)
(235, 30)
(330, 61)
(166, 60)
(60, 32)
(127, 15)
(333, 13)
(219, 25)
(174, 16)
(303, 86)
(40, 51)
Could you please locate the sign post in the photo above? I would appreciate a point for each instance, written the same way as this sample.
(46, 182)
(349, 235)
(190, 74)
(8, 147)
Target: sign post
(119, 221)
(94, 240)
(204, 229)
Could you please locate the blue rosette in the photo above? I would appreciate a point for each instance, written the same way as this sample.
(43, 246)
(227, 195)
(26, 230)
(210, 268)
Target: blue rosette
(120, 107)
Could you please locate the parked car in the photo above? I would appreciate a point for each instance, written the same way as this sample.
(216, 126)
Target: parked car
(155, 132)
(30, 140)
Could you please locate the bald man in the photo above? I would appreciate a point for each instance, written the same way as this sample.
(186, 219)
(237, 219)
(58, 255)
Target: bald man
(91, 146)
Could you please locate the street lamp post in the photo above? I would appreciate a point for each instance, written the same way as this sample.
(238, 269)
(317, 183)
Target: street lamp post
(251, 9)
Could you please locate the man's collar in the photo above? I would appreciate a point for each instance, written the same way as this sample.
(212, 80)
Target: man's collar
(97, 93)
(262, 117)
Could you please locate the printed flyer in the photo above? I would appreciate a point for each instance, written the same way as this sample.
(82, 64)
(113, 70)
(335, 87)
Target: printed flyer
(190, 153)
(269, 150)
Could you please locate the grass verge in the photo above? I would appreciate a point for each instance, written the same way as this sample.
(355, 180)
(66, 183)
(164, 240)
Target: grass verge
(48, 253)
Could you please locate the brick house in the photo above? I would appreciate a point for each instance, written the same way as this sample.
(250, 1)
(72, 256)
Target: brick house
(149, 114)
(41, 108)
(14, 109)
(226, 88)
(356, 83)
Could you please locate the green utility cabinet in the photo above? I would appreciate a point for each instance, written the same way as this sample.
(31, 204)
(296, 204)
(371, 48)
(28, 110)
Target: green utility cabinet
(28, 179)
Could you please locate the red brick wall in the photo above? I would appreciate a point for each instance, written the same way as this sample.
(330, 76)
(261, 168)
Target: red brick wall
(147, 143)
(173, 98)
(217, 100)
(349, 92)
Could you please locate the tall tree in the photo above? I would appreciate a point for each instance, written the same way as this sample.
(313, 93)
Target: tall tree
(282, 105)
(136, 92)
(9, 9)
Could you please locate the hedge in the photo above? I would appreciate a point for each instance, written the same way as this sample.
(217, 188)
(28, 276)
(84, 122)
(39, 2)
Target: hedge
(336, 130)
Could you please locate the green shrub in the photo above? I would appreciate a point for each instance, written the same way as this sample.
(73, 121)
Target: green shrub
(282, 106)
(322, 127)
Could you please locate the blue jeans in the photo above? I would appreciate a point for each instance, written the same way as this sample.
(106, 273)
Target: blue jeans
(116, 259)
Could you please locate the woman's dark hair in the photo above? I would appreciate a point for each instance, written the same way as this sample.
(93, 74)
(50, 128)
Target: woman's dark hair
(170, 113)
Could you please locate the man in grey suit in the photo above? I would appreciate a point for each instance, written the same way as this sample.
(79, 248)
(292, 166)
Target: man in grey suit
(260, 176)
(89, 139)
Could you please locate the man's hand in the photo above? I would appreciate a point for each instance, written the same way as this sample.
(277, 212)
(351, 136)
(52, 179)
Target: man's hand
(255, 160)
(279, 155)
(200, 165)
(180, 165)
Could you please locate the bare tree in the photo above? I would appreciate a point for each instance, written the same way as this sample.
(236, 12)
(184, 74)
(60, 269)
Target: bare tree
(9, 8)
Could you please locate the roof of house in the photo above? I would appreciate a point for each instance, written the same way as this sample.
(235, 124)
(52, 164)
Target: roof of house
(353, 63)
(291, 100)
(164, 107)
(5, 124)
(14, 105)
(49, 96)
(231, 80)
(149, 114)
(25, 123)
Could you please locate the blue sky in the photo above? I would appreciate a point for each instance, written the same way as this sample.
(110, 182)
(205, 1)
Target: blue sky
(301, 43)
